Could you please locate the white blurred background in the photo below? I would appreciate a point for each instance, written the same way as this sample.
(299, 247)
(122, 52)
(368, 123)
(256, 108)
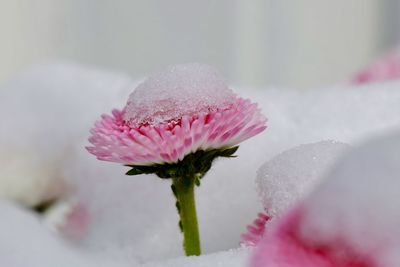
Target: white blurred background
(258, 43)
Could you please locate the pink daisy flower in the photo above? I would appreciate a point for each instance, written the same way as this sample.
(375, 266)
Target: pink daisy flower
(174, 125)
(119, 140)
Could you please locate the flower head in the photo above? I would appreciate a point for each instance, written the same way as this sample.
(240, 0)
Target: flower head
(173, 114)
(174, 125)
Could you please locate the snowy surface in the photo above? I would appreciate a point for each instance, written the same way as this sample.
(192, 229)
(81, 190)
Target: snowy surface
(133, 219)
(186, 89)
(231, 258)
(26, 243)
(45, 111)
(291, 175)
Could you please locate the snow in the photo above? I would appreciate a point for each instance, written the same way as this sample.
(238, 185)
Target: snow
(231, 258)
(358, 202)
(43, 182)
(24, 242)
(186, 89)
(45, 111)
(133, 219)
(292, 174)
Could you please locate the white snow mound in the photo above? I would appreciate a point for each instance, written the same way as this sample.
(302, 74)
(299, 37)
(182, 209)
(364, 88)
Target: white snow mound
(291, 175)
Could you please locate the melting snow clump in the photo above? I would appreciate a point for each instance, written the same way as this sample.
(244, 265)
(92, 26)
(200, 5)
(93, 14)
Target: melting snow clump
(187, 89)
(292, 174)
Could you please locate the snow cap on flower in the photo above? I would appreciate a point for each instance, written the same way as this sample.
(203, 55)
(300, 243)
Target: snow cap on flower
(181, 90)
(292, 174)
(288, 178)
(186, 108)
(351, 220)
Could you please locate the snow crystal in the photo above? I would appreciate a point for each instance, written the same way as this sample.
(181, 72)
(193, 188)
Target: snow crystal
(186, 89)
(358, 202)
(292, 174)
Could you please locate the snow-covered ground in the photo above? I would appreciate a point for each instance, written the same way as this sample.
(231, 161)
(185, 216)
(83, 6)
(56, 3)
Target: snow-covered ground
(47, 113)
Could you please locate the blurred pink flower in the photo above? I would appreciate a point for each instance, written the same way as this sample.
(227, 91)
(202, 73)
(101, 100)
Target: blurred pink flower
(68, 217)
(76, 222)
(117, 140)
(384, 69)
(285, 246)
(255, 231)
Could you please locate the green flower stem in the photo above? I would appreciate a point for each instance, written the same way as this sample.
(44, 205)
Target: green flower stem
(183, 189)
(185, 175)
